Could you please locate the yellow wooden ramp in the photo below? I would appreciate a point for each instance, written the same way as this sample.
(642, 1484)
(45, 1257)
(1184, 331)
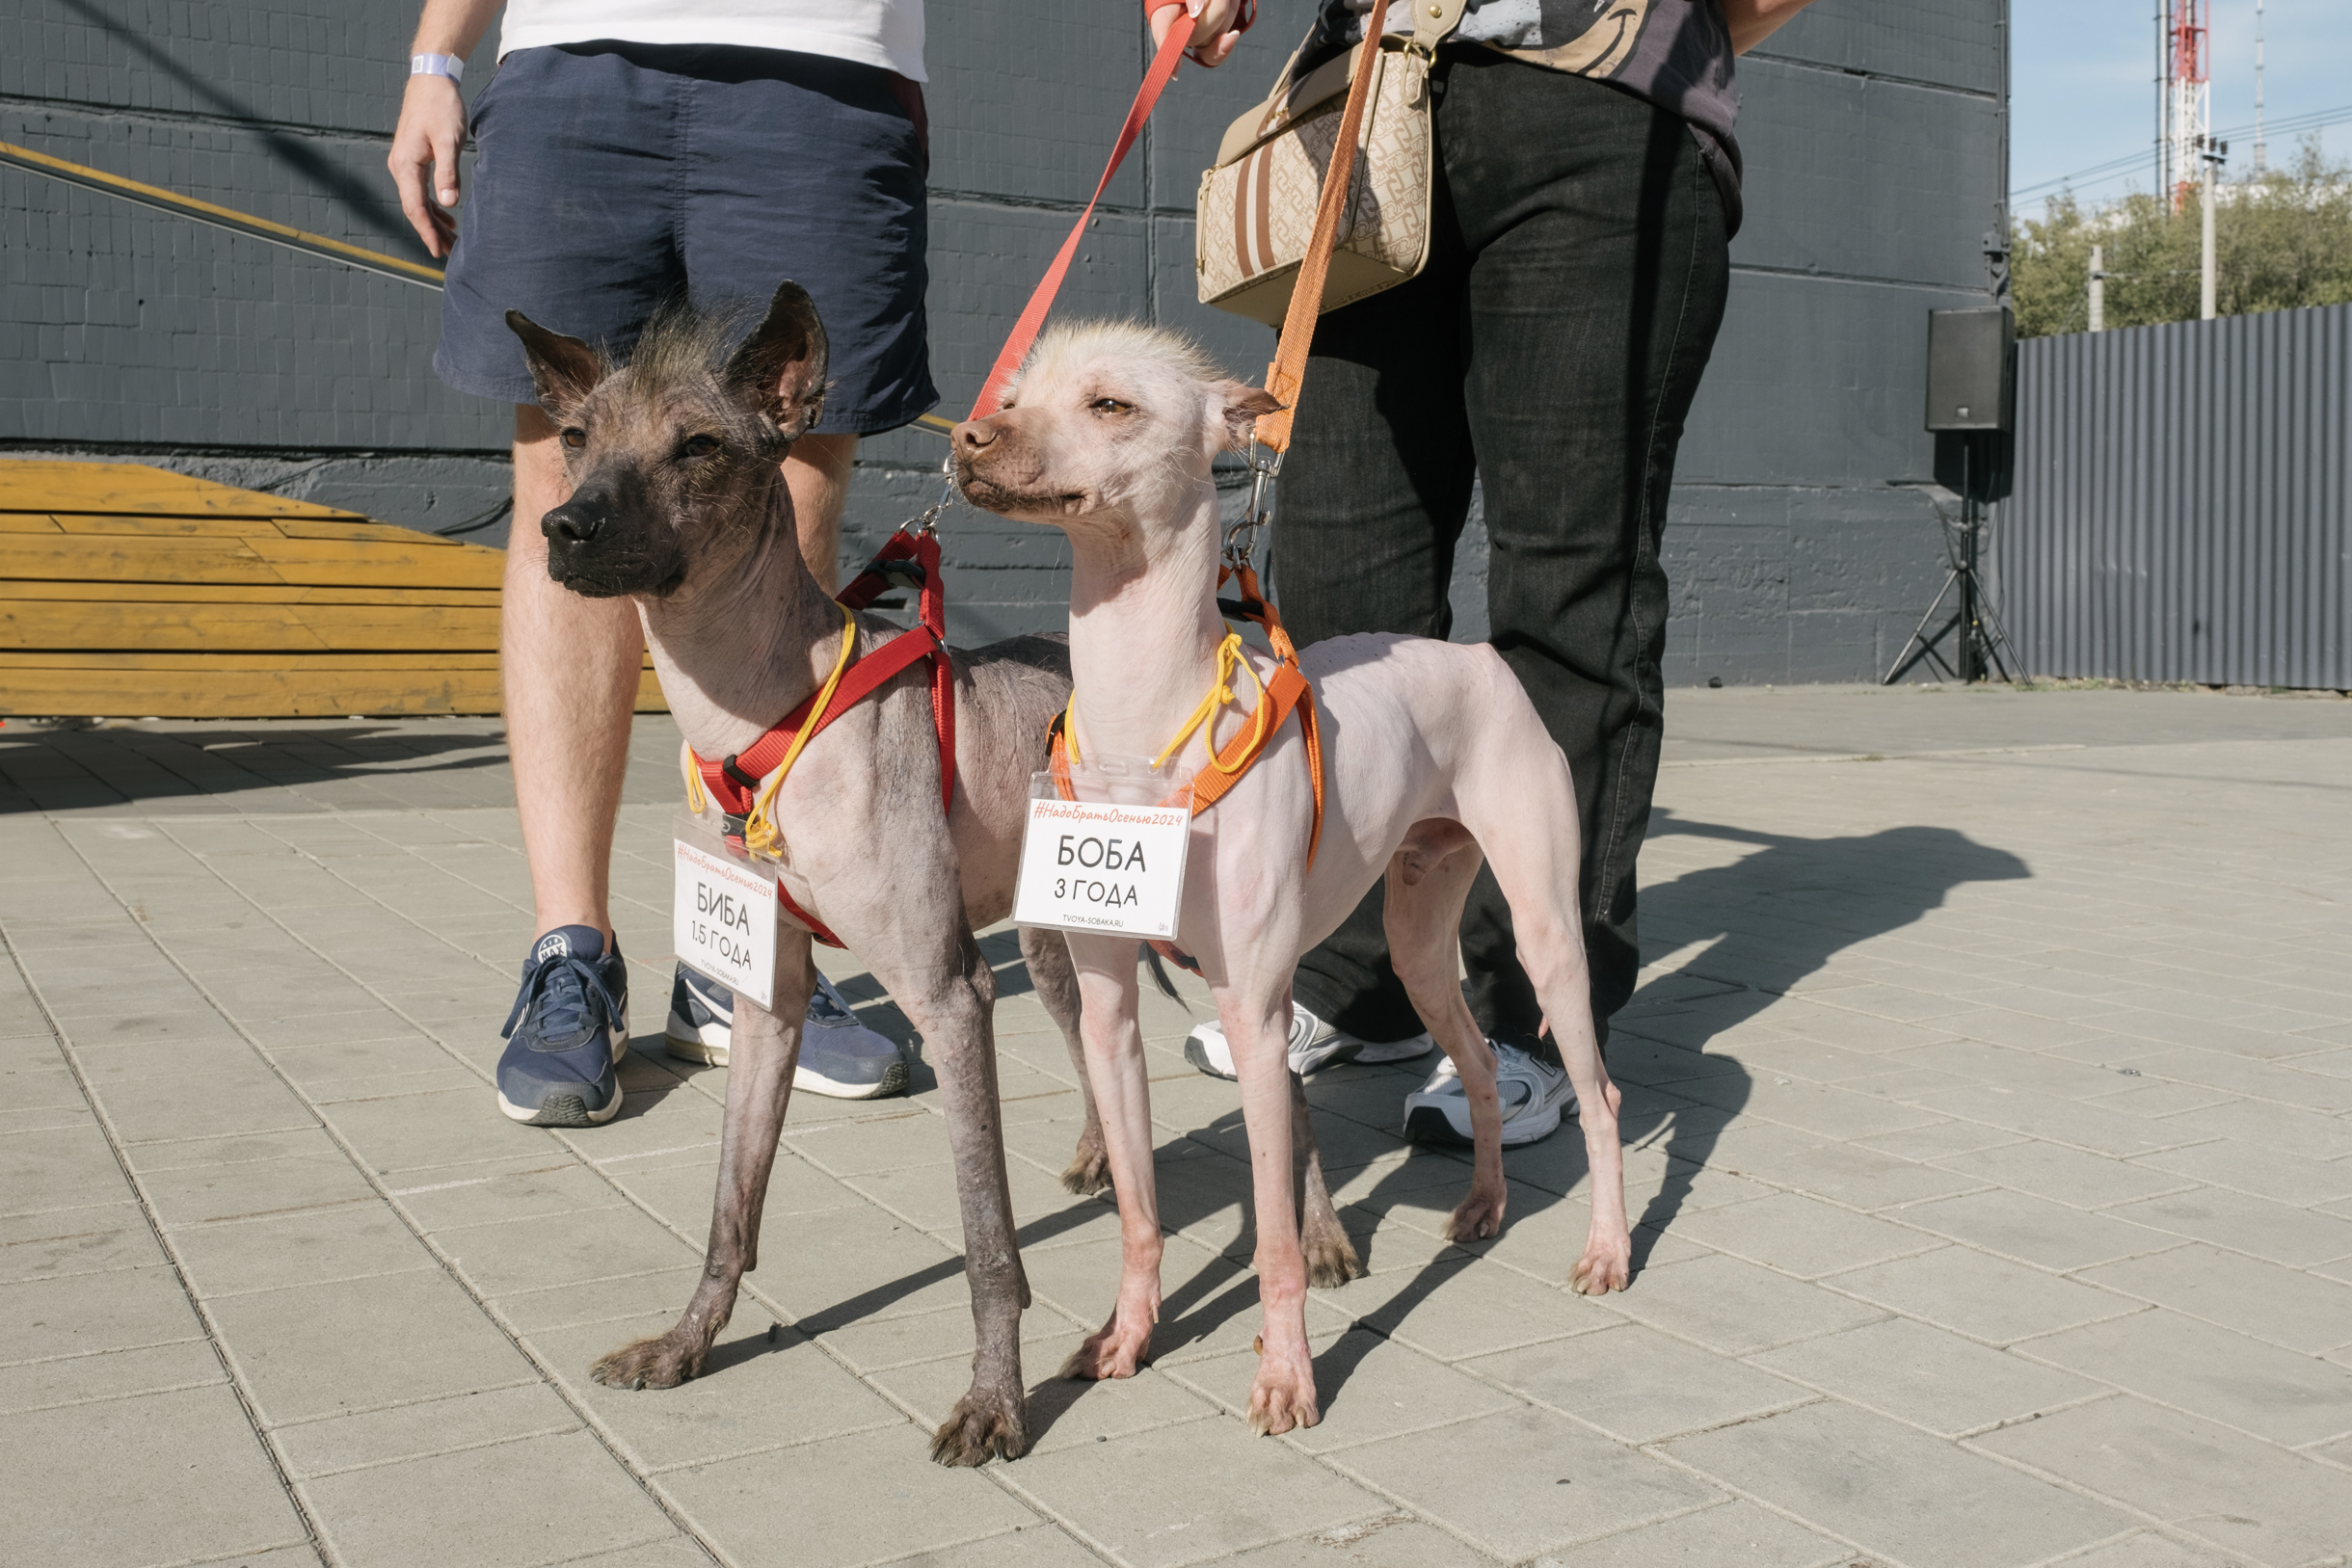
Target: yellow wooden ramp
(128, 591)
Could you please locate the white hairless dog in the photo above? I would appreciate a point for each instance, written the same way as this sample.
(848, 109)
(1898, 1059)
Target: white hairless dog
(1433, 755)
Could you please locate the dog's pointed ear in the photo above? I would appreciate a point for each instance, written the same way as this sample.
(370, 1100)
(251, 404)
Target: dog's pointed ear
(1241, 406)
(564, 369)
(780, 369)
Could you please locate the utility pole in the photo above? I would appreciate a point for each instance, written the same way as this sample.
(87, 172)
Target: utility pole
(2262, 148)
(2098, 288)
(2213, 153)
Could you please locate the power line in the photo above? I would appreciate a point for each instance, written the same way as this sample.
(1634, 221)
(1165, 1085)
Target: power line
(2316, 119)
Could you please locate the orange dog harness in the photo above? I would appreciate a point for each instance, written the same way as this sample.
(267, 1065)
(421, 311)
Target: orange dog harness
(1278, 698)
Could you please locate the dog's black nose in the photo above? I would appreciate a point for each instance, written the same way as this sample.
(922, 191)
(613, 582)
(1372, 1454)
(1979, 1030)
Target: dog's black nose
(572, 522)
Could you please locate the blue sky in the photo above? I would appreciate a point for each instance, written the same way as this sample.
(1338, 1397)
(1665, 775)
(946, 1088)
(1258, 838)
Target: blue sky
(2082, 86)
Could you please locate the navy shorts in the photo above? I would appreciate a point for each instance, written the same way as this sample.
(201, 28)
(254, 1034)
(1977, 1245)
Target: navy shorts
(608, 176)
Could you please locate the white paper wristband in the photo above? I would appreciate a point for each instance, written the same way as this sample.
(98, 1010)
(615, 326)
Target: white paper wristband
(437, 65)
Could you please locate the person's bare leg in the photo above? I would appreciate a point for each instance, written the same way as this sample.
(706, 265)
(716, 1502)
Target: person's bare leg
(569, 668)
(816, 471)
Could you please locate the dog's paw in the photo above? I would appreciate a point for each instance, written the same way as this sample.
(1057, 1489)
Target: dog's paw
(1331, 1260)
(1119, 1349)
(661, 1362)
(1283, 1395)
(985, 1424)
(1479, 1216)
(1607, 1265)
(1088, 1171)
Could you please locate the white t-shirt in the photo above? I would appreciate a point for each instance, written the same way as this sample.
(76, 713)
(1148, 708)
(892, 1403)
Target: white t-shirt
(884, 32)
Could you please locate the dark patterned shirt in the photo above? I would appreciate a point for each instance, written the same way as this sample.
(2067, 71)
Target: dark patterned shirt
(1674, 53)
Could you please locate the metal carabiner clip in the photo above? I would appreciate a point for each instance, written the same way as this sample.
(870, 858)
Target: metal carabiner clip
(927, 524)
(1242, 539)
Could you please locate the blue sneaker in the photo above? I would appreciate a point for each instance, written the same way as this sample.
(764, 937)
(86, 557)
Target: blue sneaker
(840, 1056)
(573, 1013)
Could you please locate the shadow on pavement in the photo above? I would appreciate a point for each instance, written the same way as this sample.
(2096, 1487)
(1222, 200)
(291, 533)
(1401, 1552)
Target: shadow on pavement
(1759, 926)
(1766, 921)
(79, 765)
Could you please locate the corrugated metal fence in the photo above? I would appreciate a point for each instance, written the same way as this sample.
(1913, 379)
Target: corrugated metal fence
(2183, 503)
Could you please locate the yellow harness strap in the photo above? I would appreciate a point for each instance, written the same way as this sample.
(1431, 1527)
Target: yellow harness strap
(1229, 657)
(759, 834)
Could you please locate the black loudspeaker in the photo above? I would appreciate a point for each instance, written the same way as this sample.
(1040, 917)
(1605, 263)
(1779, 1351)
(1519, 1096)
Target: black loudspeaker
(1971, 368)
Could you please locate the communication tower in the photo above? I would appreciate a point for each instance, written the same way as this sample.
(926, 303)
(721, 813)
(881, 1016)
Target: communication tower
(2187, 97)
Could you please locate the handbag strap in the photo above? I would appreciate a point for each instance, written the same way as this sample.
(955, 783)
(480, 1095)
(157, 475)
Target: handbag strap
(1434, 19)
(1288, 372)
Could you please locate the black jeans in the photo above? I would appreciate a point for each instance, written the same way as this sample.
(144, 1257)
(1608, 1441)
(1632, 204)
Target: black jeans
(1551, 348)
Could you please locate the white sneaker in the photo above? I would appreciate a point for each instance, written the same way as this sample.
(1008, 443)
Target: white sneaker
(1535, 1096)
(839, 1058)
(1314, 1046)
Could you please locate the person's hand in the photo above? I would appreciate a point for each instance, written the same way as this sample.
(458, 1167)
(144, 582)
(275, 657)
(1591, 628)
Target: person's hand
(423, 158)
(1214, 34)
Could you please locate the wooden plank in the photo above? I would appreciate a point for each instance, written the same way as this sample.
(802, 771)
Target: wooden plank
(11, 660)
(334, 528)
(413, 559)
(15, 660)
(383, 533)
(201, 626)
(30, 486)
(89, 522)
(247, 694)
(126, 593)
(310, 563)
(262, 694)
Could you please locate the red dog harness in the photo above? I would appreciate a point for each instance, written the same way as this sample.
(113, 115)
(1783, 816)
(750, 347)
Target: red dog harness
(910, 559)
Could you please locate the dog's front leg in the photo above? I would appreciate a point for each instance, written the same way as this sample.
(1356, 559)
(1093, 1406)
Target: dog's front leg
(951, 1003)
(1283, 1395)
(1123, 1098)
(763, 1052)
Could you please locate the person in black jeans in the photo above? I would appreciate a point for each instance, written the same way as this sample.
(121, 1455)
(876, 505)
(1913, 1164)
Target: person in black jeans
(1551, 348)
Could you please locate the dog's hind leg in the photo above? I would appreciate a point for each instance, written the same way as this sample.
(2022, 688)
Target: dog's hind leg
(763, 1052)
(1048, 956)
(1515, 789)
(1429, 882)
(1331, 1260)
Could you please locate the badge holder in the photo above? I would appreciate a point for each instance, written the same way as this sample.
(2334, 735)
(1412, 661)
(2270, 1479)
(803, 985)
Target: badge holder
(1103, 848)
(723, 907)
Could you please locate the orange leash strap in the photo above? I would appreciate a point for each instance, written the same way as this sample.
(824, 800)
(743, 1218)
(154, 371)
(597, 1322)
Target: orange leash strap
(1288, 372)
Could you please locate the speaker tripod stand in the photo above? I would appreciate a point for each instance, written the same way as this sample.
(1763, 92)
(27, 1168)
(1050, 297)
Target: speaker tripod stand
(1980, 640)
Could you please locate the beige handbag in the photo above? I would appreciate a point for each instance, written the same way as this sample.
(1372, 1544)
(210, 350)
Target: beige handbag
(1257, 207)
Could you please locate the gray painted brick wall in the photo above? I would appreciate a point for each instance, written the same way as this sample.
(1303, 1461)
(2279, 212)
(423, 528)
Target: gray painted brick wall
(1801, 544)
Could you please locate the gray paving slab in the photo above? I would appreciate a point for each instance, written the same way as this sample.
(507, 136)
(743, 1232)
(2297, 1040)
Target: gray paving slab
(1895, 1490)
(1990, 1133)
(2229, 1489)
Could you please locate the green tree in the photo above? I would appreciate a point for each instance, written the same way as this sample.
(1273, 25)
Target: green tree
(2282, 240)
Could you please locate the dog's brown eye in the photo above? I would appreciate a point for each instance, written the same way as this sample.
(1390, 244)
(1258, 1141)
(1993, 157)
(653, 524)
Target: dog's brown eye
(697, 446)
(575, 438)
(1110, 404)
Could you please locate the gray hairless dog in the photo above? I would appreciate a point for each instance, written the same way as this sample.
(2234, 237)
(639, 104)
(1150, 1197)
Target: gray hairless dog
(678, 502)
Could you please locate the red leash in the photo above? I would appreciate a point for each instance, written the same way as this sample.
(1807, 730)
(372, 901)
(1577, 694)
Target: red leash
(1032, 315)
